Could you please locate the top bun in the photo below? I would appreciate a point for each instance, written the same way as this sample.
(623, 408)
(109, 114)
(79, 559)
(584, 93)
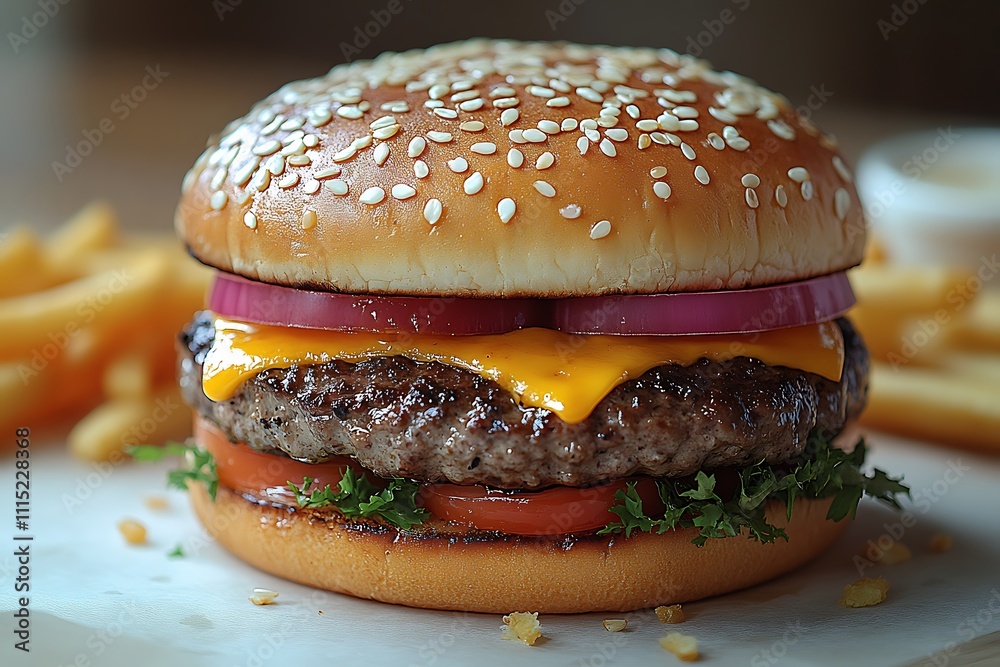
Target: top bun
(523, 169)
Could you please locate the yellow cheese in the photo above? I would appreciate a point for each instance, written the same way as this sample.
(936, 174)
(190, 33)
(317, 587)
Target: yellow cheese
(568, 374)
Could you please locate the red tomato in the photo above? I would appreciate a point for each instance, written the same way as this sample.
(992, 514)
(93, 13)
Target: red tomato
(553, 511)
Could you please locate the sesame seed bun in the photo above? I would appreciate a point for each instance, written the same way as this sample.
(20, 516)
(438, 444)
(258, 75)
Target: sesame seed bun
(500, 574)
(487, 168)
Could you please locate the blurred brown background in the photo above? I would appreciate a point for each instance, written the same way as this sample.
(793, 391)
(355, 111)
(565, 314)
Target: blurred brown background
(867, 67)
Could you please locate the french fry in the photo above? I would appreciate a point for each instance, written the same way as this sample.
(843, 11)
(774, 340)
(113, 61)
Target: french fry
(935, 405)
(95, 227)
(22, 264)
(107, 302)
(979, 328)
(978, 365)
(126, 421)
(910, 289)
(130, 375)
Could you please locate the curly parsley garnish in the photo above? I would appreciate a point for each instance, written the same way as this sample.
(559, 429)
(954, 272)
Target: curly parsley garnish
(355, 496)
(197, 465)
(694, 502)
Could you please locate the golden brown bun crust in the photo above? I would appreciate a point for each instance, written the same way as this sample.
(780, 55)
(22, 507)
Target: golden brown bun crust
(608, 573)
(718, 235)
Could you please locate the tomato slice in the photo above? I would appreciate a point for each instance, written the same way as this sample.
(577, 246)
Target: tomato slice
(246, 470)
(553, 511)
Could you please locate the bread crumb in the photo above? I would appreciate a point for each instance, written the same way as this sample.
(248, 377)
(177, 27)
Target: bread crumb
(133, 531)
(670, 614)
(615, 624)
(941, 542)
(865, 592)
(895, 554)
(157, 503)
(262, 596)
(685, 647)
(522, 626)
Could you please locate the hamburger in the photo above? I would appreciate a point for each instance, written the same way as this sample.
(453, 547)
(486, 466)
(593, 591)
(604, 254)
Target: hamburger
(504, 325)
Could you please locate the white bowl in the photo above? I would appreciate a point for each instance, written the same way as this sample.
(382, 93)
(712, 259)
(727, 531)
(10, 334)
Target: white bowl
(934, 197)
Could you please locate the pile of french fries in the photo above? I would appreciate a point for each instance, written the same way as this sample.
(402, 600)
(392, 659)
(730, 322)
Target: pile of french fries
(89, 319)
(934, 337)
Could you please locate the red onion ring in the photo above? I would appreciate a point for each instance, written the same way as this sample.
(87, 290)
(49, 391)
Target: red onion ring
(736, 311)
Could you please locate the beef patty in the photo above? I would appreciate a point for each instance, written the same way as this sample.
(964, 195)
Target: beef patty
(432, 422)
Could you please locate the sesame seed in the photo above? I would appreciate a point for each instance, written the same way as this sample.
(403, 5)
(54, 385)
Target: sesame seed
(668, 122)
(266, 148)
(439, 137)
(437, 91)
(716, 142)
(647, 125)
(798, 174)
(420, 169)
(841, 203)
(319, 117)
(842, 169)
(561, 86)
(384, 121)
(570, 211)
(416, 147)
(459, 86)
(275, 164)
(807, 190)
(345, 154)
(506, 102)
(701, 174)
(289, 180)
(544, 160)
(687, 126)
(588, 124)
(311, 187)
(607, 121)
(589, 94)
(381, 154)
(433, 104)
(484, 148)
(515, 158)
(738, 143)
(465, 96)
(560, 101)
(780, 196)
(502, 91)
(750, 180)
(517, 136)
(593, 135)
(506, 209)
(458, 165)
(633, 111)
(351, 112)
(678, 96)
(548, 126)
(545, 189)
(384, 133)
(372, 196)
(608, 148)
(661, 190)
(218, 200)
(644, 142)
(308, 219)
(781, 129)
(310, 141)
(261, 179)
(402, 191)
(568, 124)
(250, 220)
(472, 126)
(617, 134)
(688, 151)
(448, 114)
(294, 147)
(541, 91)
(472, 105)
(433, 210)
(722, 115)
(534, 136)
(600, 229)
(751, 196)
(685, 112)
(658, 172)
(243, 174)
(582, 144)
(509, 116)
(473, 184)
(730, 132)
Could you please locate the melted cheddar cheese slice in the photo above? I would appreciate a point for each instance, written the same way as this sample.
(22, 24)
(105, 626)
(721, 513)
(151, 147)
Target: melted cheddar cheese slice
(568, 374)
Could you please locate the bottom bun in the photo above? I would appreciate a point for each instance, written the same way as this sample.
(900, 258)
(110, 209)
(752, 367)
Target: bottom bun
(484, 572)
